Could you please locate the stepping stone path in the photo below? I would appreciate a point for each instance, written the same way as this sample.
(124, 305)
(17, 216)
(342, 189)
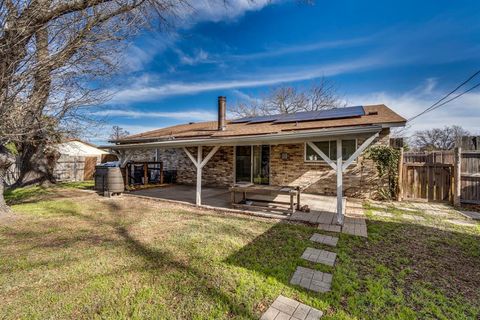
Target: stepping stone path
(323, 239)
(330, 227)
(312, 279)
(471, 214)
(285, 308)
(356, 226)
(320, 256)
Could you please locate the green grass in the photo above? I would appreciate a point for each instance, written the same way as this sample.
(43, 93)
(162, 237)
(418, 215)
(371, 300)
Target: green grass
(32, 193)
(72, 255)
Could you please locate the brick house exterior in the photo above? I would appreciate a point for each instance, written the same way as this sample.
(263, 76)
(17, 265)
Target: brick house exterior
(320, 151)
(360, 179)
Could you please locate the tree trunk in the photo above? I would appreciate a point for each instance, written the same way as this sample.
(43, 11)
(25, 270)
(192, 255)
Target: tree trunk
(36, 166)
(6, 160)
(3, 205)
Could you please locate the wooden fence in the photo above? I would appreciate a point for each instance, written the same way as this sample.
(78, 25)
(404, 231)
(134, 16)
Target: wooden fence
(68, 168)
(431, 176)
(470, 177)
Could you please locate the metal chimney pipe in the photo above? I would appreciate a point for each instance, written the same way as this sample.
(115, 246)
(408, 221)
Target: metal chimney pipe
(222, 110)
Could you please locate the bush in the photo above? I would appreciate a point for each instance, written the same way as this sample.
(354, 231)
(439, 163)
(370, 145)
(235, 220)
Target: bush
(386, 161)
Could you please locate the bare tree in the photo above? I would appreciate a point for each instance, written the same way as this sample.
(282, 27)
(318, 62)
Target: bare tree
(445, 138)
(53, 54)
(118, 133)
(287, 99)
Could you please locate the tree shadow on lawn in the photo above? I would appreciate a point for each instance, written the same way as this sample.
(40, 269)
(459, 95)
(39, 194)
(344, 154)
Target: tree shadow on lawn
(404, 257)
(156, 261)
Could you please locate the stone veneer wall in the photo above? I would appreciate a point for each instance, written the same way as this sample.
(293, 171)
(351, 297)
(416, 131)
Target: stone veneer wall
(360, 179)
(217, 172)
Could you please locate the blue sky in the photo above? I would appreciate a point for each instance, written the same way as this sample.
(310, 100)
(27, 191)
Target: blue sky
(406, 54)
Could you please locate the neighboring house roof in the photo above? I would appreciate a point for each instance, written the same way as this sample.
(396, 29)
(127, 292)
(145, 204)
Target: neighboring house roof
(379, 115)
(79, 149)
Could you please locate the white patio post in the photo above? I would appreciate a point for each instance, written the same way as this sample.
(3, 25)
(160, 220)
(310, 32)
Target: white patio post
(339, 182)
(341, 167)
(199, 164)
(198, 198)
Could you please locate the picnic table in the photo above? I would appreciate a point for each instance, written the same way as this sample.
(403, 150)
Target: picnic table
(248, 203)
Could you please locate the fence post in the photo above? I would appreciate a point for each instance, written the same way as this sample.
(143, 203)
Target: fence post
(457, 176)
(400, 176)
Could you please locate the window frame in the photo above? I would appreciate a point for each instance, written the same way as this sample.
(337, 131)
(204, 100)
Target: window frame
(321, 161)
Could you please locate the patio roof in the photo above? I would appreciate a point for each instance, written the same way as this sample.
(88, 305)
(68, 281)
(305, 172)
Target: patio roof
(282, 137)
(379, 115)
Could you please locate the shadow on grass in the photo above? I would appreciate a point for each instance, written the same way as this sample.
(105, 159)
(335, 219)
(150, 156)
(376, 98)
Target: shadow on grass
(31, 194)
(154, 260)
(398, 255)
(276, 252)
(405, 256)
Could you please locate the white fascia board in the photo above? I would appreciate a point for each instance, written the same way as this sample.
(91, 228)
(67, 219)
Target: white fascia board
(274, 138)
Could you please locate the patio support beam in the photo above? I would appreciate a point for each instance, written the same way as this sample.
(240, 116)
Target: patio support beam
(199, 164)
(357, 152)
(209, 156)
(198, 198)
(322, 155)
(339, 183)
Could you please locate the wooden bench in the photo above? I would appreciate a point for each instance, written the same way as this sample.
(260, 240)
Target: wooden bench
(293, 192)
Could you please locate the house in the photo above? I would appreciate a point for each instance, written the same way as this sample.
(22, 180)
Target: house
(79, 148)
(319, 151)
(78, 159)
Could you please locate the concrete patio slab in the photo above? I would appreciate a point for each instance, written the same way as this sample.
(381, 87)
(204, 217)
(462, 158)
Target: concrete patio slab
(322, 208)
(324, 239)
(286, 308)
(312, 279)
(320, 256)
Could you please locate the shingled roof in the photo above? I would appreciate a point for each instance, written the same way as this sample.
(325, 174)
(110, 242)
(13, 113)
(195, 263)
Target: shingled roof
(374, 115)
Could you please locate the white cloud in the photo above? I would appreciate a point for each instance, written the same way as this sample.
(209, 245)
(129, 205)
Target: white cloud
(463, 111)
(275, 52)
(184, 17)
(200, 56)
(245, 97)
(272, 77)
(184, 115)
(218, 10)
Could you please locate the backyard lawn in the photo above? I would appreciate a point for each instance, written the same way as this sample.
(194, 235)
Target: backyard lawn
(72, 254)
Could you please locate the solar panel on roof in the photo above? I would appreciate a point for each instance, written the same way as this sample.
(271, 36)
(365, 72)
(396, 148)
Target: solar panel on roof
(323, 115)
(306, 116)
(266, 118)
(258, 119)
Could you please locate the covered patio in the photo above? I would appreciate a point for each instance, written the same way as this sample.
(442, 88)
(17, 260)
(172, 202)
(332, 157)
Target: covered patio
(202, 196)
(323, 209)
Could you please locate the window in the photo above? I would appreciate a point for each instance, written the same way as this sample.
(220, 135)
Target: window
(252, 164)
(329, 147)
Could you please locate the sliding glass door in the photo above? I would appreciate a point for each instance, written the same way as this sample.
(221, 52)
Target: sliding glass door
(252, 164)
(243, 164)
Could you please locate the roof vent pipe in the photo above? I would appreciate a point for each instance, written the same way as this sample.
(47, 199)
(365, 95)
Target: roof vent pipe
(222, 109)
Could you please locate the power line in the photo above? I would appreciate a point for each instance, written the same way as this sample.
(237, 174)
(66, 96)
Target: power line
(457, 96)
(436, 104)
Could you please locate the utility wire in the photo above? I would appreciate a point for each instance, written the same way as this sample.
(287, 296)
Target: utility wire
(436, 104)
(457, 96)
